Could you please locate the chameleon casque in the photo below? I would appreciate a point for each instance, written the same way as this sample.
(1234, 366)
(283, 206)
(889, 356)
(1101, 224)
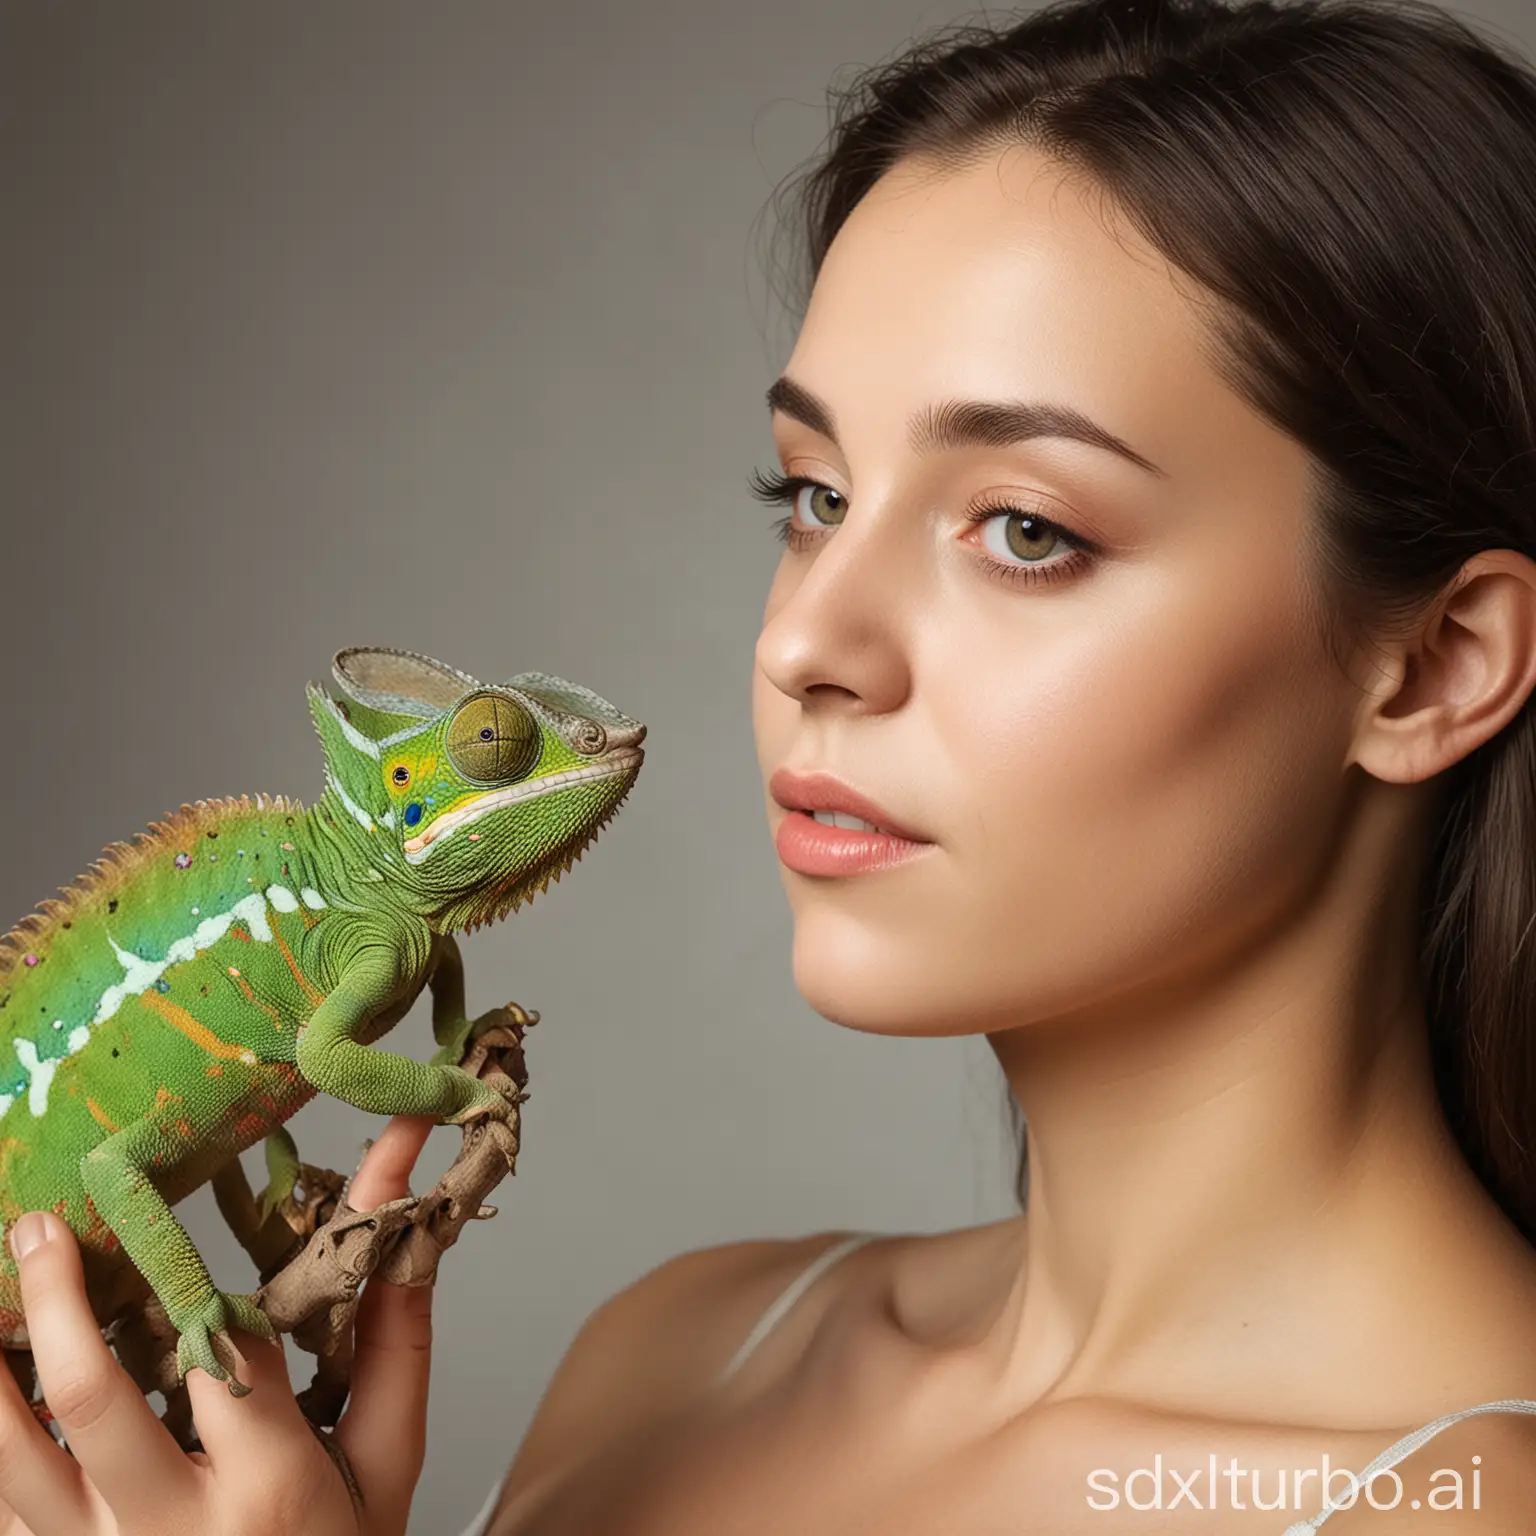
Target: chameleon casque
(198, 986)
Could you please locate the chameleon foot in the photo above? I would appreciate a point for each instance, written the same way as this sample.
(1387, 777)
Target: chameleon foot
(486, 1101)
(454, 1045)
(205, 1341)
(487, 1105)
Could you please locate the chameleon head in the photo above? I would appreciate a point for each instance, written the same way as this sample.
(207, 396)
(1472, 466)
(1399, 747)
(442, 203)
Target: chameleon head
(477, 794)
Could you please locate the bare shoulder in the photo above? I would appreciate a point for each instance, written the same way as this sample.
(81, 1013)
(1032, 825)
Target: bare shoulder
(645, 1354)
(1477, 1478)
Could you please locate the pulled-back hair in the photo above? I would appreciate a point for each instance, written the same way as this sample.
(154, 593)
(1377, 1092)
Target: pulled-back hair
(1355, 183)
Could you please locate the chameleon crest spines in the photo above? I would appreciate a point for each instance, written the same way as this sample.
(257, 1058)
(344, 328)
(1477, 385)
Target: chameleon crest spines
(196, 986)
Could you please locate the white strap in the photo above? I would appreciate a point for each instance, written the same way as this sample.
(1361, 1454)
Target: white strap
(481, 1523)
(1404, 1448)
(764, 1325)
(1388, 1459)
(791, 1294)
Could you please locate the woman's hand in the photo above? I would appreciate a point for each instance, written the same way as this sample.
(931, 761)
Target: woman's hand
(263, 1471)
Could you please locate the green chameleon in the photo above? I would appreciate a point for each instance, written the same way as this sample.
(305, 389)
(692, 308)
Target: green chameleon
(195, 988)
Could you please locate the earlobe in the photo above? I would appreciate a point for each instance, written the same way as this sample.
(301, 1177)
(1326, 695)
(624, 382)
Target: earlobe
(1461, 678)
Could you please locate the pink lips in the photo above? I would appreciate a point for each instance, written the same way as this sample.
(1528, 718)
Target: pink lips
(810, 847)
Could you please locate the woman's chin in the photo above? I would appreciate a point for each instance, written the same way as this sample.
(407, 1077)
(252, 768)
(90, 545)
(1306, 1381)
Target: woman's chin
(858, 980)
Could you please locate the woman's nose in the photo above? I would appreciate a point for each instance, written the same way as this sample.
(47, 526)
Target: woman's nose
(839, 635)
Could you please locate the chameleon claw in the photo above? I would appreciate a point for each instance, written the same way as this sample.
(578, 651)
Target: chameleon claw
(205, 1341)
(485, 1102)
(453, 1051)
(498, 1109)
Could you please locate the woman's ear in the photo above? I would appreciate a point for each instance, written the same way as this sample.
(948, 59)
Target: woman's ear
(1459, 679)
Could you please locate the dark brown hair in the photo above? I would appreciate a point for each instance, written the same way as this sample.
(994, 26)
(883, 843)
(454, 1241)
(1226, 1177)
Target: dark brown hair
(1355, 183)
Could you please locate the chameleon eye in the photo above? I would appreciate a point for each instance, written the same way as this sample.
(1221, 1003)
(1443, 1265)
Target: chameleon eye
(492, 739)
(401, 775)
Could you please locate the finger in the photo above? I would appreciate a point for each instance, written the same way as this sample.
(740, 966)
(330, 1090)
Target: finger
(256, 1431)
(42, 1486)
(124, 1449)
(384, 1430)
(244, 1441)
(271, 1472)
(386, 1170)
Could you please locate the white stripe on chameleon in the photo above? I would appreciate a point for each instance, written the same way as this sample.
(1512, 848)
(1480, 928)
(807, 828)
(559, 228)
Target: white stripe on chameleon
(39, 1073)
(252, 911)
(356, 737)
(353, 735)
(312, 898)
(140, 974)
(405, 733)
(388, 819)
(358, 814)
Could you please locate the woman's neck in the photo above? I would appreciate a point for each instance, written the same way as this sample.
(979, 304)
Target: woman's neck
(1237, 1185)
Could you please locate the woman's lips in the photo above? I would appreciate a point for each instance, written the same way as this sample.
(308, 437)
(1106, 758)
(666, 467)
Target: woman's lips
(810, 847)
(861, 836)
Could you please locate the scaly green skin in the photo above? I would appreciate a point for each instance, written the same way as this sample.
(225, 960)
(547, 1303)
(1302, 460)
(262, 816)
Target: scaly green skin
(194, 989)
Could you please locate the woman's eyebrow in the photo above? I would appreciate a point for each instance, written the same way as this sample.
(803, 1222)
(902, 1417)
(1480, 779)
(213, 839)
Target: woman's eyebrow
(968, 423)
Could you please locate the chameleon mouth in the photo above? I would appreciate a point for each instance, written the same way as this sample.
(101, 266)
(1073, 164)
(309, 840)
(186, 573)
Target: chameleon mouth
(626, 760)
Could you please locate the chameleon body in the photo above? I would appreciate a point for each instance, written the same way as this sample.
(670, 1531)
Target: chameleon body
(195, 988)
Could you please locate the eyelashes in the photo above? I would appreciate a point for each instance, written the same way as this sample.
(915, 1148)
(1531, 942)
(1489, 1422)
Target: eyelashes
(784, 490)
(776, 490)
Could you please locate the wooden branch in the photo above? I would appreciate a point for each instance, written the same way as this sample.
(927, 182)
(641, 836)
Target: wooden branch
(314, 1295)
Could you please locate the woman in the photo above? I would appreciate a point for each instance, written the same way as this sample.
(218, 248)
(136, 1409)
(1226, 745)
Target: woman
(1145, 686)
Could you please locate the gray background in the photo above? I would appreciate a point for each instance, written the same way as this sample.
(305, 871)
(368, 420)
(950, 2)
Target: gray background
(444, 326)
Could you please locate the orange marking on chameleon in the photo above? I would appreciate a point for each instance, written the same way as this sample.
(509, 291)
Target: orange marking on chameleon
(199, 1034)
(100, 1116)
(215, 1070)
(306, 985)
(250, 997)
(97, 1231)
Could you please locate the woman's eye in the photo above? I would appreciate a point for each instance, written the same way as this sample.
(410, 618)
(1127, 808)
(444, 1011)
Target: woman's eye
(1019, 536)
(819, 506)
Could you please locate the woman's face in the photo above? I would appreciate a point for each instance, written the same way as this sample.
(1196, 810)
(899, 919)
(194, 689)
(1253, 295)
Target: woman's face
(1124, 758)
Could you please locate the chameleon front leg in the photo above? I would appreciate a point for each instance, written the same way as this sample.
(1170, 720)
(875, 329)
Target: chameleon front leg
(116, 1175)
(452, 1030)
(333, 1059)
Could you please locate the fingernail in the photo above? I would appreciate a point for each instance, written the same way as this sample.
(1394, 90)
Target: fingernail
(28, 1233)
